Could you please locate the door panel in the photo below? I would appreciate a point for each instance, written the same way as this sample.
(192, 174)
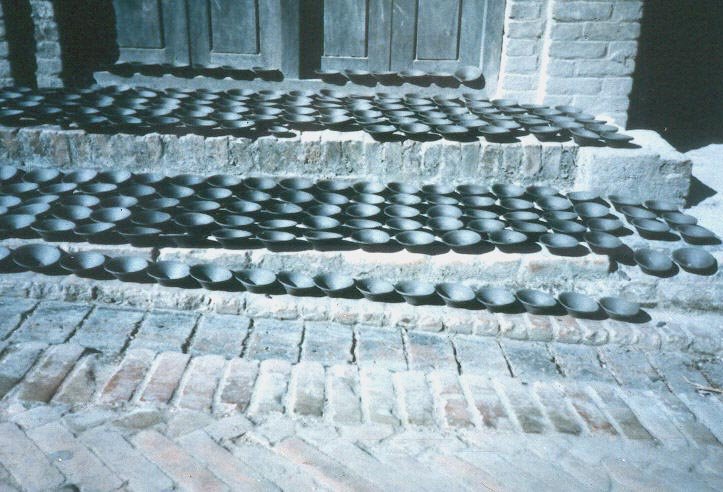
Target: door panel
(151, 31)
(238, 33)
(356, 34)
(438, 29)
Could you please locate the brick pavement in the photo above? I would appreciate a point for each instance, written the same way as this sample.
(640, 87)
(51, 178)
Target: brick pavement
(124, 398)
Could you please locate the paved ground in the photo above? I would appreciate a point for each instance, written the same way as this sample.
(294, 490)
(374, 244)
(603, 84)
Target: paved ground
(103, 398)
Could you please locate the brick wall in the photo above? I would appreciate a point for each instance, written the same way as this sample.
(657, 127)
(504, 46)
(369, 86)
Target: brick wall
(571, 52)
(47, 44)
(5, 74)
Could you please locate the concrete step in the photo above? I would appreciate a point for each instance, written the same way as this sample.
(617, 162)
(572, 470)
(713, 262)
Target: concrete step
(651, 170)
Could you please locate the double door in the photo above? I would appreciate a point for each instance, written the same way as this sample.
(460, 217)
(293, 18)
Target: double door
(204, 33)
(396, 35)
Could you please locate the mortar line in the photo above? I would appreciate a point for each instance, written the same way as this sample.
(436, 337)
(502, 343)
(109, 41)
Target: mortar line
(80, 324)
(245, 341)
(132, 335)
(544, 54)
(187, 343)
(23, 318)
(507, 359)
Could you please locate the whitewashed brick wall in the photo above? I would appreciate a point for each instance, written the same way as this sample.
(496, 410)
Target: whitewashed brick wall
(47, 44)
(579, 52)
(6, 77)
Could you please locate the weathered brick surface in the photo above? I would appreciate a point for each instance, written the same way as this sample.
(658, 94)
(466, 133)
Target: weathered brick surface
(107, 329)
(327, 343)
(49, 372)
(380, 347)
(220, 334)
(176, 463)
(430, 351)
(124, 460)
(28, 464)
(306, 393)
(415, 398)
(379, 404)
(237, 385)
(452, 405)
(200, 382)
(271, 386)
(51, 322)
(273, 339)
(478, 355)
(483, 396)
(16, 361)
(344, 394)
(163, 378)
(77, 463)
(528, 359)
(123, 383)
(164, 330)
(12, 311)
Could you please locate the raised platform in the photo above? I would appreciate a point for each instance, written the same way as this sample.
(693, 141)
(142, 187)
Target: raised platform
(652, 170)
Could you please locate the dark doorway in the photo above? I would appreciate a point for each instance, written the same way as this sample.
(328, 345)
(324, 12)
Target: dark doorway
(678, 79)
(19, 33)
(87, 35)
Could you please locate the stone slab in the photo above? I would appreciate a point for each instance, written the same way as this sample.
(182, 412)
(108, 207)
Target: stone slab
(652, 170)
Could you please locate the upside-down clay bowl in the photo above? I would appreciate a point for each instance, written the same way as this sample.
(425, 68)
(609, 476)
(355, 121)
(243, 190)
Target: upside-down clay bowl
(256, 280)
(83, 263)
(377, 290)
(37, 257)
(619, 308)
(169, 273)
(695, 260)
(416, 292)
(334, 284)
(653, 262)
(212, 277)
(127, 268)
(496, 298)
(455, 294)
(536, 301)
(297, 284)
(578, 305)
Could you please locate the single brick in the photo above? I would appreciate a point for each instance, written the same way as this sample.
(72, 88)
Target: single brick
(563, 31)
(331, 474)
(220, 334)
(522, 403)
(478, 355)
(77, 463)
(577, 49)
(566, 330)
(234, 472)
(51, 322)
(521, 47)
(27, 464)
(164, 331)
(41, 383)
(176, 463)
(12, 311)
(414, 397)
(327, 343)
(237, 385)
(271, 387)
(377, 395)
(485, 399)
(343, 394)
(579, 362)
(586, 407)
(200, 382)
(539, 327)
(581, 11)
(108, 329)
(82, 382)
(130, 373)
(453, 405)
(164, 377)
(627, 11)
(519, 29)
(274, 339)
(612, 31)
(380, 347)
(524, 10)
(556, 408)
(630, 367)
(127, 462)
(430, 351)
(607, 396)
(306, 396)
(16, 361)
(522, 64)
(604, 68)
(529, 360)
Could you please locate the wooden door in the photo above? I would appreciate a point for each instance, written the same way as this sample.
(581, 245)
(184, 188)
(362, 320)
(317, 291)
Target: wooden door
(399, 35)
(236, 33)
(356, 34)
(152, 31)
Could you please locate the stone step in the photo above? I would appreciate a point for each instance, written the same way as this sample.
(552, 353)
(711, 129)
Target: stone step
(651, 170)
(533, 402)
(594, 274)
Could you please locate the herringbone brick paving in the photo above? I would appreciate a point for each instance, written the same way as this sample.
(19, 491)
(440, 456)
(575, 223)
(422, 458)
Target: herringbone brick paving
(105, 398)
